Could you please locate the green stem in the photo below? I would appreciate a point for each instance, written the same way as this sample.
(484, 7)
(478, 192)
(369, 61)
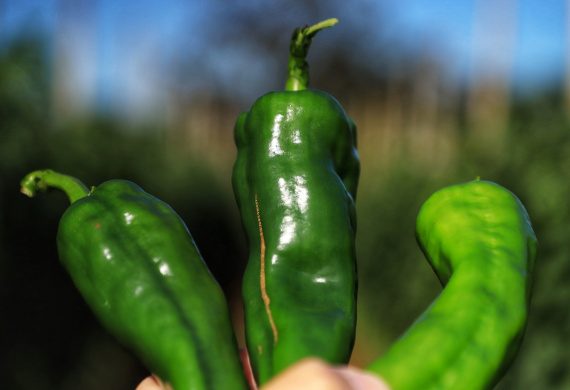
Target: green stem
(45, 179)
(298, 69)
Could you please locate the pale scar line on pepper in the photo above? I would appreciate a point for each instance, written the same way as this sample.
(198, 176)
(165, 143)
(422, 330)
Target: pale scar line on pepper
(264, 295)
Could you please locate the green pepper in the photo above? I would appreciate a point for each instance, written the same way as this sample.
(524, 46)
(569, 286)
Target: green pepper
(295, 179)
(136, 265)
(478, 238)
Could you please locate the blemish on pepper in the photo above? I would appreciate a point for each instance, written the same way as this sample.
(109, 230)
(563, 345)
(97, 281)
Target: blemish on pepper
(98, 226)
(264, 295)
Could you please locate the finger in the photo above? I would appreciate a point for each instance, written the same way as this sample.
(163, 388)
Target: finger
(149, 384)
(314, 374)
(308, 374)
(360, 380)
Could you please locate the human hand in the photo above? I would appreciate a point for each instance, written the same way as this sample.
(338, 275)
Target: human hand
(315, 374)
(308, 374)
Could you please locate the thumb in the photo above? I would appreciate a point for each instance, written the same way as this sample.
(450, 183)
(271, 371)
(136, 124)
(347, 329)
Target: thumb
(360, 380)
(315, 374)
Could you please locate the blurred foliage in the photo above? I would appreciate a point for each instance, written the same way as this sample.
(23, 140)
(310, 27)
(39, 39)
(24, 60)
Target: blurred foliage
(49, 339)
(397, 283)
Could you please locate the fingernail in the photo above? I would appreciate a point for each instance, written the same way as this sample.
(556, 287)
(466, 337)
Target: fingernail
(360, 380)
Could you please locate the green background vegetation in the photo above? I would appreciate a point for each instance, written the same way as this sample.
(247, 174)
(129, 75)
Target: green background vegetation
(50, 340)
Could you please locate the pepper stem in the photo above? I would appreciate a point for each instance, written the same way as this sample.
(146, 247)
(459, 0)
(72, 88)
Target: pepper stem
(44, 179)
(298, 69)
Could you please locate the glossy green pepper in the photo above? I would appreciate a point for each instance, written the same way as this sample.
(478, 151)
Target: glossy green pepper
(136, 265)
(295, 179)
(478, 238)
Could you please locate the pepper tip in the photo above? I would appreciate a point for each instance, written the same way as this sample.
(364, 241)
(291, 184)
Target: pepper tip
(26, 191)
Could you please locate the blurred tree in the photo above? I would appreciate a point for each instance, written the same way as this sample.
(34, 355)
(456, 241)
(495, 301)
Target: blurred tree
(413, 141)
(48, 337)
(349, 57)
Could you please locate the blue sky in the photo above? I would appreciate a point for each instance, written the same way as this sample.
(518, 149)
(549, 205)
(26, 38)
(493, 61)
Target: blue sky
(120, 50)
(540, 27)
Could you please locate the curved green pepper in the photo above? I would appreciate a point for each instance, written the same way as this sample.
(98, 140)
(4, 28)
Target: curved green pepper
(136, 265)
(479, 240)
(295, 179)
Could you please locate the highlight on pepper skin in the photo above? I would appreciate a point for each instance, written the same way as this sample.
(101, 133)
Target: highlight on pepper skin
(295, 179)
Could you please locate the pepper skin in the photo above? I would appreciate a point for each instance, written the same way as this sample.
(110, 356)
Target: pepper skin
(136, 265)
(478, 238)
(295, 179)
